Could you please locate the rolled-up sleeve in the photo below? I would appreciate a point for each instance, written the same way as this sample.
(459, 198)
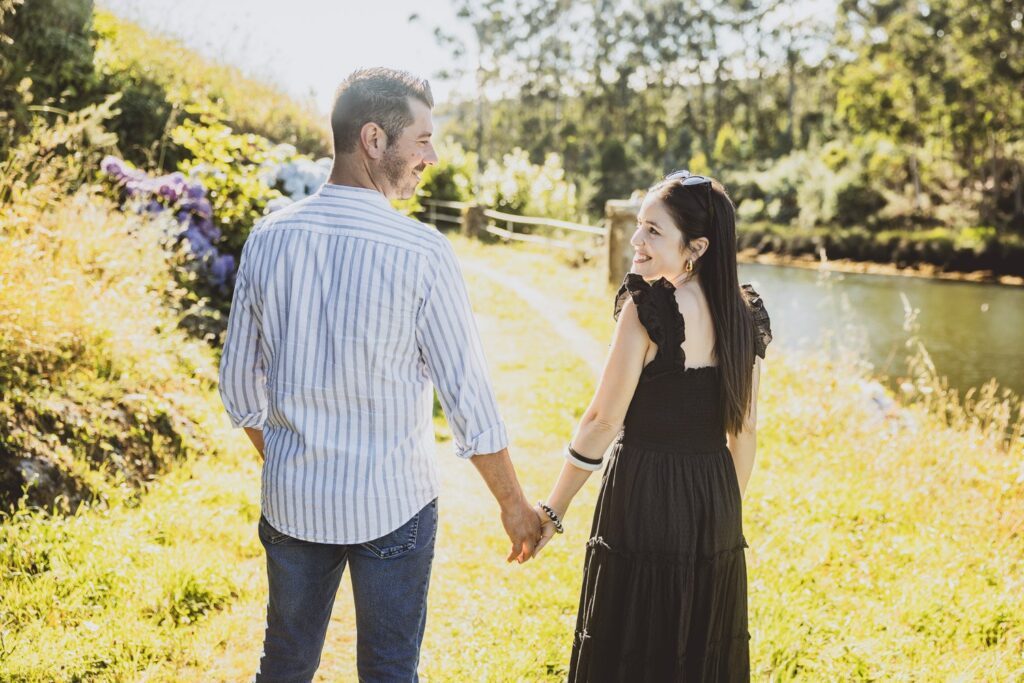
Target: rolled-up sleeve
(242, 367)
(450, 344)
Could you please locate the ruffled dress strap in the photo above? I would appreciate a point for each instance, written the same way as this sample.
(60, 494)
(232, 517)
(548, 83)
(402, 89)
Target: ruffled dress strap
(762, 323)
(658, 312)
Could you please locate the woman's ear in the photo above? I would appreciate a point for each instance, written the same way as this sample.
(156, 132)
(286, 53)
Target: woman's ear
(699, 247)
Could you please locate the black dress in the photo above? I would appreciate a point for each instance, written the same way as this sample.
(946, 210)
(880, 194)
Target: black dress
(665, 585)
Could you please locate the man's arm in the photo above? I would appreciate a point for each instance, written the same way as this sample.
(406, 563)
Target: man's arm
(450, 344)
(256, 436)
(517, 516)
(242, 367)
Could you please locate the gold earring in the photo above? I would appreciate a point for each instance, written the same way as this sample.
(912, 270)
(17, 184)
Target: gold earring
(689, 265)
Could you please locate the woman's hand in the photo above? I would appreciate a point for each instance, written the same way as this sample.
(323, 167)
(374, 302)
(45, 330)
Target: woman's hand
(547, 529)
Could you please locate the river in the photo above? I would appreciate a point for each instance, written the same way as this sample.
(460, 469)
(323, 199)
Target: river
(973, 332)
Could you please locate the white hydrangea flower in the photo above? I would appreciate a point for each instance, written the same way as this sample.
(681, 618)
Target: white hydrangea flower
(277, 204)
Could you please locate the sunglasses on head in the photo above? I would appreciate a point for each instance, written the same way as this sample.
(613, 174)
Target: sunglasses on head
(687, 179)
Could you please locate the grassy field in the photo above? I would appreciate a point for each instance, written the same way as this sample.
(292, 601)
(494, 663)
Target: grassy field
(883, 547)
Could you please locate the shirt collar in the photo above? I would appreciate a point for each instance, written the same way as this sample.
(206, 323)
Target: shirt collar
(352, 192)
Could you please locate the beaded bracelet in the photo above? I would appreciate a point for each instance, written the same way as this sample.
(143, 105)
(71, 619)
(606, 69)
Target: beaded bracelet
(553, 516)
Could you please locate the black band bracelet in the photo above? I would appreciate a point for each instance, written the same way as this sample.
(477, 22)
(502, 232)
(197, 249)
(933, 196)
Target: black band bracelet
(581, 460)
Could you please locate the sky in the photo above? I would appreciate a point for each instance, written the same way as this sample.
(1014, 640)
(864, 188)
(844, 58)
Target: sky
(306, 47)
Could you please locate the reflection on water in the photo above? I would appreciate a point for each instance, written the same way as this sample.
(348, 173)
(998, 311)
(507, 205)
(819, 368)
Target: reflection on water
(973, 332)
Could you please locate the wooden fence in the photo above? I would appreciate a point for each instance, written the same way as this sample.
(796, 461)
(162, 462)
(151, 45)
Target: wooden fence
(472, 219)
(438, 211)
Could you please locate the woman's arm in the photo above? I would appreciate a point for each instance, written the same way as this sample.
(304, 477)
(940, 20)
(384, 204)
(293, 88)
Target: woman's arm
(744, 444)
(603, 418)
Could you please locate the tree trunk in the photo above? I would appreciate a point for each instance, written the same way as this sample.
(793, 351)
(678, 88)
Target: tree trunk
(915, 176)
(479, 128)
(791, 124)
(1018, 196)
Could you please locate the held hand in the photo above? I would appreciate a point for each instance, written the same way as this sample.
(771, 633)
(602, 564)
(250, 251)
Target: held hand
(547, 528)
(523, 529)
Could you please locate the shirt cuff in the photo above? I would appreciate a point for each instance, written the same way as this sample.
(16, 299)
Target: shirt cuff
(490, 441)
(253, 420)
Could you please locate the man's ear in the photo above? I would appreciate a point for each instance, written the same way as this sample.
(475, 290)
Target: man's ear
(373, 139)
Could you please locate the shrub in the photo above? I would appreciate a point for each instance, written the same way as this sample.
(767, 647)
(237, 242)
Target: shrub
(856, 202)
(146, 112)
(48, 61)
(777, 185)
(452, 177)
(185, 199)
(727, 146)
(230, 166)
(519, 187)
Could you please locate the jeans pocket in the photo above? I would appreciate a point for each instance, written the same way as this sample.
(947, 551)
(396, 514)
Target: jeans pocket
(270, 535)
(403, 539)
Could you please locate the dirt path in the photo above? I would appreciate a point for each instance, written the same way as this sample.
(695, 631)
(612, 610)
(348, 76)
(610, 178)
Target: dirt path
(554, 312)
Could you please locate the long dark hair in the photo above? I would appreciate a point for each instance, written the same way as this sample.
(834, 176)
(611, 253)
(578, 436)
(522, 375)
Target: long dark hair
(705, 210)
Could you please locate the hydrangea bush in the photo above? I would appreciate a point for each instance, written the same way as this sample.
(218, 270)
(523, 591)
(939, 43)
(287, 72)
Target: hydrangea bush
(184, 198)
(295, 176)
(519, 187)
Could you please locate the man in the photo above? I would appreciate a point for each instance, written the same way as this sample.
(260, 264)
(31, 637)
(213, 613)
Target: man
(345, 316)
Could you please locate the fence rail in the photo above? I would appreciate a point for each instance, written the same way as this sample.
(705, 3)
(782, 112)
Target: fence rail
(457, 213)
(612, 238)
(535, 239)
(440, 203)
(451, 212)
(548, 222)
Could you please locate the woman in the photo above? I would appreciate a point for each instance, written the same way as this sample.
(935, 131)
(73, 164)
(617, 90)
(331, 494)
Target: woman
(664, 585)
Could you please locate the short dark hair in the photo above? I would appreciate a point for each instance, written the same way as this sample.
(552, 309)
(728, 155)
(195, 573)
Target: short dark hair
(378, 95)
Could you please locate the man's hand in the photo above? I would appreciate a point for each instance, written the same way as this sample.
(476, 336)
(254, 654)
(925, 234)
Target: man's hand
(523, 529)
(518, 518)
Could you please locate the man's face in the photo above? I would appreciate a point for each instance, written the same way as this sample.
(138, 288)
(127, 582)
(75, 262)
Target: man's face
(405, 158)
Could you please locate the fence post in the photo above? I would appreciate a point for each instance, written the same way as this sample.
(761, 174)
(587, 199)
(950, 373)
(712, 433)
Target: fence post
(620, 219)
(473, 220)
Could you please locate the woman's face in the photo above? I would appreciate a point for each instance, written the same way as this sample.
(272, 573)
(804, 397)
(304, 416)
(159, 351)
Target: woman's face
(657, 242)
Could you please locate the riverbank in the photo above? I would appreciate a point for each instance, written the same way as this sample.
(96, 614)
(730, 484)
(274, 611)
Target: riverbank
(973, 254)
(923, 270)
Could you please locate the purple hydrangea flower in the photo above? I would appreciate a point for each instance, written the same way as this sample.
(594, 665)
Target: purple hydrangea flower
(198, 243)
(222, 269)
(207, 227)
(169, 193)
(204, 208)
(113, 166)
(195, 190)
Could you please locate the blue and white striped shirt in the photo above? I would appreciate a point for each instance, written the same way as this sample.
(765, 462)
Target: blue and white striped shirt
(346, 315)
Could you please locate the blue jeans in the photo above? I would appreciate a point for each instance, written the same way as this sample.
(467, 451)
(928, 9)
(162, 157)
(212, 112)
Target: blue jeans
(390, 576)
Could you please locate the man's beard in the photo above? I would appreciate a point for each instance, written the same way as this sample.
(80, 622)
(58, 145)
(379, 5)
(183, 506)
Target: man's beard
(397, 174)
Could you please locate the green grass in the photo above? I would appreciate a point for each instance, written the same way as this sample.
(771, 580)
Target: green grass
(882, 548)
